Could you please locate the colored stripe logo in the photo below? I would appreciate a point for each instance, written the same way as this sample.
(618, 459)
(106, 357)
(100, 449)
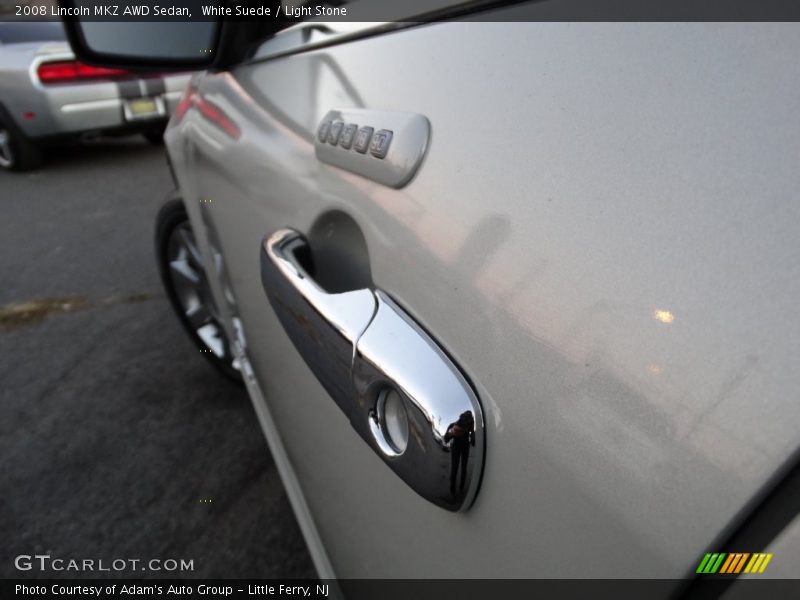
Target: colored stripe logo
(733, 563)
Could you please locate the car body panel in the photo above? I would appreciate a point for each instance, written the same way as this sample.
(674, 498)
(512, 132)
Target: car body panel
(603, 235)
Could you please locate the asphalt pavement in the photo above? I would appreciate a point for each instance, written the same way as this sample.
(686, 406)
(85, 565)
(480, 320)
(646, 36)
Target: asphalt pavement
(117, 438)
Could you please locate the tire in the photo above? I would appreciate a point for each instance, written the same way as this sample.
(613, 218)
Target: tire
(183, 275)
(17, 152)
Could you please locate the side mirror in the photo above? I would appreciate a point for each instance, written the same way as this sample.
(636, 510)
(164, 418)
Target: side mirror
(146, 44)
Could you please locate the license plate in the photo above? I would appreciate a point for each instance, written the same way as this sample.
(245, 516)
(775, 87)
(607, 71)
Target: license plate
(142, 107)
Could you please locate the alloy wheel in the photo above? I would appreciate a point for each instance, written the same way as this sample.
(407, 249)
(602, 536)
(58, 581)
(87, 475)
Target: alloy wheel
(193, 291)
(6, 152)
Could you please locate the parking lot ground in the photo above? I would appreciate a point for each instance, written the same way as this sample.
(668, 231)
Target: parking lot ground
(117, 438)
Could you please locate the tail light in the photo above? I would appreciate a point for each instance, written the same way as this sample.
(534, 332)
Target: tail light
(72, 71)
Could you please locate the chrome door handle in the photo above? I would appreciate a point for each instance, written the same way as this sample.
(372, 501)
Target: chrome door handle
(400, 391)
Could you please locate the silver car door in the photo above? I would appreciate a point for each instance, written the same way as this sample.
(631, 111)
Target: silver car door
(601, 237)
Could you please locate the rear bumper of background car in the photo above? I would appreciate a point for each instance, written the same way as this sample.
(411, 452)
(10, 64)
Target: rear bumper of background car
(100, 116)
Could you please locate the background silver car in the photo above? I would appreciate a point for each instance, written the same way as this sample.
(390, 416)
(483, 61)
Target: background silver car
(47, 96)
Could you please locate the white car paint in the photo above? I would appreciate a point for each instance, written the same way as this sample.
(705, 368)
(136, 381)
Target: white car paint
(603, 235)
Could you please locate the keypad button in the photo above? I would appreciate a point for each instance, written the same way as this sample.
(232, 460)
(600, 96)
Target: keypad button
(380, 143)
(363, 137)
(322, 134)
(333, 134)
(348, 135)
